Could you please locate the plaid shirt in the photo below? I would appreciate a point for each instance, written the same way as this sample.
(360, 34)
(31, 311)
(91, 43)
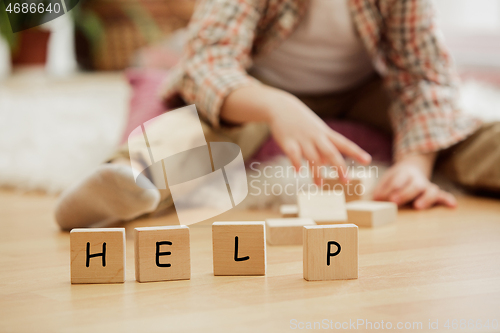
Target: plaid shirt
(400, 36)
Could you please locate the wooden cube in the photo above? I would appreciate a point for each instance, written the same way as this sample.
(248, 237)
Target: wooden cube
(162, 253)
(353, 190)
(289, 211)
(239, 248)
(330, 252)
(286, 231)
(97, 255)
(324, 207)
(371, 213)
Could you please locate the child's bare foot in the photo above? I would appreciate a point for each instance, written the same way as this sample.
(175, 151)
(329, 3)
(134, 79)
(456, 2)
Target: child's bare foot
(108, 195)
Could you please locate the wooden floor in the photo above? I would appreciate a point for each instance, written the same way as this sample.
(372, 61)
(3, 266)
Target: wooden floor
(435, 265)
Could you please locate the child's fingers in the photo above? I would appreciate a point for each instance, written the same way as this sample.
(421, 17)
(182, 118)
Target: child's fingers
(381, 189)
(428, 198)
(349, 148)
(317, 177)
(391, 184)
(447, 199)
(293, 152)
(432, 196)
(311, 154)
(333, 156)
(407, 194)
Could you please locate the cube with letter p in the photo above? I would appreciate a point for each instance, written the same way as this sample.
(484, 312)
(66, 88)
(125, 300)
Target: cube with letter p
(330, 252)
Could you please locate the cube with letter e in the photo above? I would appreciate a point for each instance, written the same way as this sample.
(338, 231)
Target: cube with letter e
(162, 253)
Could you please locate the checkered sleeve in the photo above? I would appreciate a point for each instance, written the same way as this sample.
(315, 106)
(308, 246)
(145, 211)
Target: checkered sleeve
(216, 55)
(422, 81)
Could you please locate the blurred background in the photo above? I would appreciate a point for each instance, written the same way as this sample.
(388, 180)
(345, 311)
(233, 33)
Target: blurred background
(72, 89)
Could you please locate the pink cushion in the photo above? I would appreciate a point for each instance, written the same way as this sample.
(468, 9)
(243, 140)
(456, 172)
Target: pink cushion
(145, 103)
(375, 143)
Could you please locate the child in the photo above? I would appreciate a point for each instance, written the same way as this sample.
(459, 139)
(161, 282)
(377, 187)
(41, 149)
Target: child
(287, 63)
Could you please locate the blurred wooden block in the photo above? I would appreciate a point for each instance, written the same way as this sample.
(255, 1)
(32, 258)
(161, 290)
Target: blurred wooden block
(162, 253)
(289, 211)
(97, 255)
(371, 213)
(330, 252)
(324, 207)
(286, 231)
(353, 190)
(239, 248)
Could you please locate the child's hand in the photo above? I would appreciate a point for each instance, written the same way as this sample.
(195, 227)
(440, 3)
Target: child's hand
(302, 134)
(408, 181)
(295, 127)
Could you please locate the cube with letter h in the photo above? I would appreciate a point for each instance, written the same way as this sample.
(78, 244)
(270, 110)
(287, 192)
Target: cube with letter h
(162, 253)
(97, 255)
(239, 248)
(330, 252)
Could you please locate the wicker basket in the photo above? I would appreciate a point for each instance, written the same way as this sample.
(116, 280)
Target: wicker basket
(126, 26)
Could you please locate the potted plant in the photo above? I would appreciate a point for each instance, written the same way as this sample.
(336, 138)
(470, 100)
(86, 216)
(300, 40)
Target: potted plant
(18, 43)
(7, 43)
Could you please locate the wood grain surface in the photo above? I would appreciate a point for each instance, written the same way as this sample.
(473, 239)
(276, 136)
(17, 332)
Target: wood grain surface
(433, 265)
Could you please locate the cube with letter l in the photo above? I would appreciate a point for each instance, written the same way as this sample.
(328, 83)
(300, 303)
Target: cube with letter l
(239, 248)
